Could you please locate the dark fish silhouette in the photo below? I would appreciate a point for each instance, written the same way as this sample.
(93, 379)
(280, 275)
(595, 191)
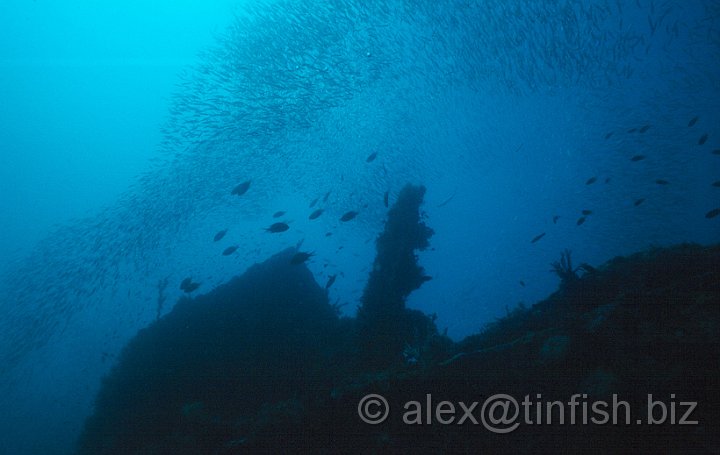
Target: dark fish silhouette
(632, 130)
(580, 220)
(591, 180)
(607, 180)
(330, 281)
(316, 214)
(220, 235)
(229, 250)
(242, 188)
(188, 286)
(644, 128)
(639, 201)
(300, 257)
(537, 237)
(716, 183)
(327, 195)
(587, 212)
(693, 121)
(703, 139)
(661, 182)
(607, 136)
(278, 214)
(312, 204)
(555, 218)
(446, 201)
(349, 216)
(637, 158)
(277, 227)
(522, 283)
(386, 197)
(328, 234)
(712, 213)
(371, 157)
(716, 152)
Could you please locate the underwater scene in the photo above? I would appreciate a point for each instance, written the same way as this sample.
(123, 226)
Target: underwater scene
(360, 226)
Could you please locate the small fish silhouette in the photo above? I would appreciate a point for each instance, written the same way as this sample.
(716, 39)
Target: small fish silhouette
(349, 216)
(241, 189)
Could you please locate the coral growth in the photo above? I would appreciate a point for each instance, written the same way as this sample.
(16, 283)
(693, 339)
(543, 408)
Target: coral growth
(567, 273)
(564, 269)
(385, 325)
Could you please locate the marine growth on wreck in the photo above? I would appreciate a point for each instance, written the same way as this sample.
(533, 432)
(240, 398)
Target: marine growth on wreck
(265, 362)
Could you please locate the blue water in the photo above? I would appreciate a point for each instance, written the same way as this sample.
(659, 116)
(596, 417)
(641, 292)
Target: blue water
(124, 128)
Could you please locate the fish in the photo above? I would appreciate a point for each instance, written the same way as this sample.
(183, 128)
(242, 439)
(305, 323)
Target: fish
(522, 283)
(639, 201)
(587, 212)
(300, 257)
(661, 182)
(277, 227)
(703, 139)
(693, 121)
(607, 180)
(591, 180)
(644, 128)
(188, 286)
(312, 204)
(278, 214)
(537, 237)
(386, 197)
(637, 158)
(330, 281)
(607, 136)
(446, 201)
(327, 195)
(220, 235)
(580, 220)
(371, 157)
(349, 216)
(712, 213)
(716, 183)
(716, 152)
(316, 214)
(229, 250)
(241, 189)
(555, 218)
(328, 234)
(632, 130)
